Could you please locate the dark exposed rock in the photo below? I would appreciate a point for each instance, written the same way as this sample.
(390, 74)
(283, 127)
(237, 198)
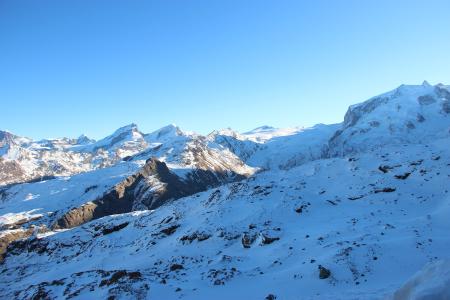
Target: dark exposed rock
(420, 118)
(426, 100)
(220, 276)
(248, 239)
(266, 240)
(78, 216)
(120, 284)
(29, 245)
(354, 113)
(410, 125)
(41, 294)
(120, 275)
(10, 237)
(403, 176)
(374, 124)
(199, 236)
(264, 190)
(300, 209)
(446, 106)
(416, 163)
(106, 231)
(385, 190)
(175, 267)
(324, 273)
(136, 190)
(218, 282)
(10, 171)
(90, 188)
(170, 230)
(385, 169)
(271, 297)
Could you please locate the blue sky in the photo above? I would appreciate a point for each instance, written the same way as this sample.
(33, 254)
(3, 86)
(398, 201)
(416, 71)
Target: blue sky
(72, 67)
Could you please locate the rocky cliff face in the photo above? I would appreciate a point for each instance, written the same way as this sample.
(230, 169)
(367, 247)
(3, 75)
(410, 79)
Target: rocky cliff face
(152, 186)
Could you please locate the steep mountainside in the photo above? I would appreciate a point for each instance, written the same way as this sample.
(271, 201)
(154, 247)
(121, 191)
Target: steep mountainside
(344, 211)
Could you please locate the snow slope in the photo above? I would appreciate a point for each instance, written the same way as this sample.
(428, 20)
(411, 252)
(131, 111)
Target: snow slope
(334, 212)
(270, 148)
(432, 282)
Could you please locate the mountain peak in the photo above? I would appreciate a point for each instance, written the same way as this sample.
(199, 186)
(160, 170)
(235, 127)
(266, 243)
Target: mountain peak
(129, 127)
(5, 134)
(166, 131)
(227, 131)
(408, 113)
(171, 126)
(83, 140)
(7, 137)
(425, 83)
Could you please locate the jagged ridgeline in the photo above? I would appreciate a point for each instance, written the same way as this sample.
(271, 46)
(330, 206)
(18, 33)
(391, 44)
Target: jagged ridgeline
(152, 186)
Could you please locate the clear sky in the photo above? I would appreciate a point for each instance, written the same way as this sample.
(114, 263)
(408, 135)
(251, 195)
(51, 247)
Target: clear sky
(72, 67)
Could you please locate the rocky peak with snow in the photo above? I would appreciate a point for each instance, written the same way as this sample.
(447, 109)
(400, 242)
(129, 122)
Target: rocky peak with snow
(6, 137)
(84, 140)
(410, 113)
(126, 135)
(165, 134)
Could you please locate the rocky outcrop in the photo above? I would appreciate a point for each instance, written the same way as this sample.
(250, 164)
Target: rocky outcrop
(8, 237)
(355, 112)
(248, 239)
(10, 171)
(152, 186)
(324, 273)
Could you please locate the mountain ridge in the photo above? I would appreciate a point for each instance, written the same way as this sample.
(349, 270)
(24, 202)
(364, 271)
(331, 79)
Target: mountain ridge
(342, 211)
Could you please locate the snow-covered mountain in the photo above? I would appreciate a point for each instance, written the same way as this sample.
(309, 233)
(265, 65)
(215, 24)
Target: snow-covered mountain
(344, 211)
(408, 114)
(23, 159)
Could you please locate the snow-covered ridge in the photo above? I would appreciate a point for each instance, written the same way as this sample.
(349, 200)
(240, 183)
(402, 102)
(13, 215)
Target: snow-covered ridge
(408, 114)
(265, 133)
(23, 159)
